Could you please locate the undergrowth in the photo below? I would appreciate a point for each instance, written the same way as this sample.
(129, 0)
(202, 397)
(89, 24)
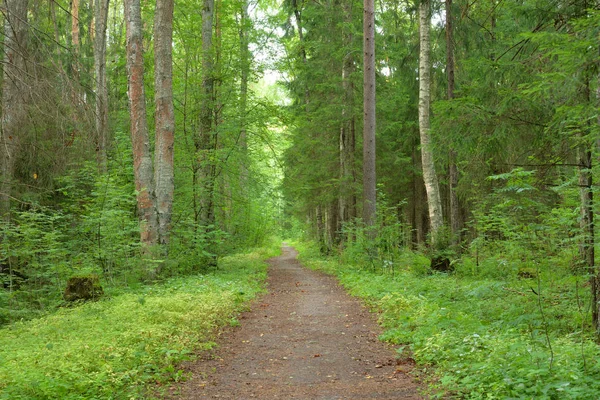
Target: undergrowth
(483, 338)
(114, 348)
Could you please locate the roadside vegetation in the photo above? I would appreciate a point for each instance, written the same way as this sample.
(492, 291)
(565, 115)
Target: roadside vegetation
(477, 333)
(133, 339)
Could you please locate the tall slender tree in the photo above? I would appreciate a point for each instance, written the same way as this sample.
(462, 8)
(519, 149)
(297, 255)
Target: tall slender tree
(206, 139)
(244, 76)
(76, 43)
(142, 158)
(347, 197)
(101, 117)
(164, 117)
(369, 174)
(455, 219)
(434, 201)
(14, 95)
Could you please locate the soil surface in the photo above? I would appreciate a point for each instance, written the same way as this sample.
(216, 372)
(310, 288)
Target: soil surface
(305, 339)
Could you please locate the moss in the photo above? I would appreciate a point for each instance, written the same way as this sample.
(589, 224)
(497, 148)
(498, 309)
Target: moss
(83, 287)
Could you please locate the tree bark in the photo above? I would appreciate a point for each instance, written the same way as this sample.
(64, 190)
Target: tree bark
(586, 246)
(75, 25)
(244, 75)
(76, 43)
(333, 225)
(206, 138)
(590, 256)
(14, 89)
(164, 117)
(321, 234)
(455, 218)
(347, 135)
(299, 25)
(369, 173)
(434, 201)
(142, 159)
(101, 117)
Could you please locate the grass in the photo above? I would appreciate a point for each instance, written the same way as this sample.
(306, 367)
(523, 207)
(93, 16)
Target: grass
(115, 348)
(482, 338)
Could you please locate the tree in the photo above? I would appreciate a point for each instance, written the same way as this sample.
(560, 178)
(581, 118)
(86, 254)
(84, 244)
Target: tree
(76, 43)
(431, 181)
(245, 59)
(455, 219)
(101, 117)
(206, 139)
(369, 174)
(142, 158)
(14, 95)
(164, 116)
(347, 141)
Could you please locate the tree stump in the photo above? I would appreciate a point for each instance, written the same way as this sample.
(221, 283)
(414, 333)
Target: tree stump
(84, 287)
(441, 264)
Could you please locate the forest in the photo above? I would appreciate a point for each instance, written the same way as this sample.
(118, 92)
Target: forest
(438, 157)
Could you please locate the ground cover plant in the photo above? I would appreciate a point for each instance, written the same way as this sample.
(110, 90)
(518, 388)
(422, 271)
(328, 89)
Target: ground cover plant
(483, 337)
(114, 348)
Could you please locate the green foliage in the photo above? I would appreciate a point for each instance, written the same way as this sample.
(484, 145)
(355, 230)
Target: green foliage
(385, 251)
(521, 223)
(119, 347)
(485, 338)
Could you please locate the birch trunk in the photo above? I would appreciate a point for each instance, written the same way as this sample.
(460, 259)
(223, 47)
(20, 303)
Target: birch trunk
(164, 117)
(429, 175)
(369, 174)
(14, 89)
(142, 159)
(101, 117)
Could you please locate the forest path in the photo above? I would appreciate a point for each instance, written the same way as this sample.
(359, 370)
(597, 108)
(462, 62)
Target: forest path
(305, 339)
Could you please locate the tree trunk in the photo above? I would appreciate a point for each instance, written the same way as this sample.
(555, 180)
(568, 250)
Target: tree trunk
(347, 145)
(321, 229)
(333, 225)
(14, 91)
(299, 24)
(369, 174)
(101, 117)
(142, 159)
(55, 26)
(206, 140)
(586, 246)
(590, 256)
(75, 26)
(164, 117)
(455, 218)
(434, 201)
(76, 42)
(244, 74)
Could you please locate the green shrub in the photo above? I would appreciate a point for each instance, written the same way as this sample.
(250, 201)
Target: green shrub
(116, 347)
(486, 338)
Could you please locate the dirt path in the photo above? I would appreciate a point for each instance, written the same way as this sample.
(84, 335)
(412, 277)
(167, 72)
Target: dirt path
(305, 339)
